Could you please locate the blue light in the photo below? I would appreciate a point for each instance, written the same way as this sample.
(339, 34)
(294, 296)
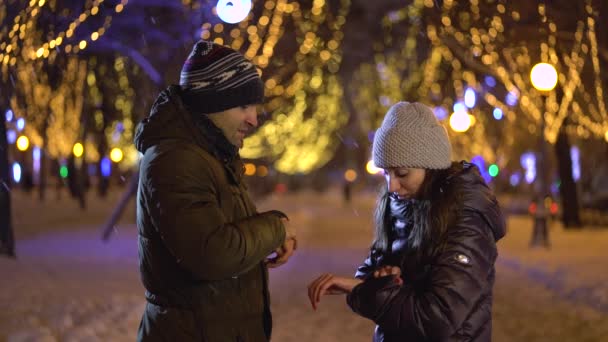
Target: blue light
(11, 136)
(385, 101)
(459, 107)
(233, 11)
(36, 160)
(576, 166)
(116, 137)
(92, 170)
(106, 167)
(511, 99)
(20, 124)
(440, 113)
(478, 160)
(370, 136)
(9, 115)
(16, 172)
(497, 113)
(36, 153)
(528, 162)
(469, 98)
(490, 81)
(515, 179)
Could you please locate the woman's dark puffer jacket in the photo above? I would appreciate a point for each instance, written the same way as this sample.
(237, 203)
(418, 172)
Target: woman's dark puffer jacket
(448, 298)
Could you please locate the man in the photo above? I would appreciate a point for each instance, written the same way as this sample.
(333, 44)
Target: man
(203, 247)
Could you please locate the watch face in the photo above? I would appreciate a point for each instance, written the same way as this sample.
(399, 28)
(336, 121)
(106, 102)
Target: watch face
(233, 11)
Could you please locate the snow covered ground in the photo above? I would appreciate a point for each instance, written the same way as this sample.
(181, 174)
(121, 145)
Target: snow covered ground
(68, 285)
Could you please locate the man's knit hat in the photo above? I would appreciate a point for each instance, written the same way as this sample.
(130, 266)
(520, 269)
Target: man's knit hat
(411, 136)
(215, 78)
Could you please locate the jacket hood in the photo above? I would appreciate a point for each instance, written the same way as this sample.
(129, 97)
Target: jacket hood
(475, 194)
(168, 120)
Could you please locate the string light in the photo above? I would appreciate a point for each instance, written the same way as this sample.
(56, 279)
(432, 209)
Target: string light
(304, 97)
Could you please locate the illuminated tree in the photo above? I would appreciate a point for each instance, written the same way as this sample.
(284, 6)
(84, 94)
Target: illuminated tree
(464, 43)
(297, 47)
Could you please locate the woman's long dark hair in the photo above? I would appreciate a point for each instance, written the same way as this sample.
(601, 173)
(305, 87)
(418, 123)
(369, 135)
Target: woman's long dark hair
(431, 214)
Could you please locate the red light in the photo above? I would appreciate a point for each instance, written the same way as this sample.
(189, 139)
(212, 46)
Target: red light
(280, 188)
(553, 208)
(532, 208)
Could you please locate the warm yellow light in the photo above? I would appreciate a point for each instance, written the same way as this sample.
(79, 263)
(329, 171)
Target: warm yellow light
(543, 76)
(249, 169)
(350, 175)
(83, 44)
(78, 150)
(262, 171)
(119, 8)
(116, 155)
(460, 121)
(23, 143)
(39, 52)
(371, 168)
(606, 136)
(94, 36)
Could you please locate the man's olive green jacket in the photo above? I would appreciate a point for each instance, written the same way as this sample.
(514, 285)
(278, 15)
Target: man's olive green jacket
(202, 244)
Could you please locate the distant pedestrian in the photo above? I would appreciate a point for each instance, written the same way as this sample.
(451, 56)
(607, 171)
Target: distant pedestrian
(430, 272)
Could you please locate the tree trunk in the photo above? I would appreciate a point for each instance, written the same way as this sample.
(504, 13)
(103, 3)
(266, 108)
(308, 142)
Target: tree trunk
(7, 242)
(567, 189)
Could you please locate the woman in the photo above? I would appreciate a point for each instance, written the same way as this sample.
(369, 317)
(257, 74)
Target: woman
(430, 272)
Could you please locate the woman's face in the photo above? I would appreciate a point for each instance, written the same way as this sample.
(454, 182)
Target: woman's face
(403, 182)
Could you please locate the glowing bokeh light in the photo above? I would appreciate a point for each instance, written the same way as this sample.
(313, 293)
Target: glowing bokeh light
(63, 171)
(511, 99)
(16, 172)
(233, 11)
(440, 113)
(20, 124)
(106, 167)
(543, 76)
(493, 170)
(460, 121)
(515, 179)
(576, 165)
(78, 150)
(490, 81)
(8, 115)
(459, 107)
(497, 113)
(116, 155)
(23, 143)
(371, 168)
(250, 169)
(262, 171)
(470, 98)
(11, 136)
(350, 175)
(528, 162)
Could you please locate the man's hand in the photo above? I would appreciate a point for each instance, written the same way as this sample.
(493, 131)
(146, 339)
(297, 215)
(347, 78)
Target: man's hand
(283, 254)
(290, 230)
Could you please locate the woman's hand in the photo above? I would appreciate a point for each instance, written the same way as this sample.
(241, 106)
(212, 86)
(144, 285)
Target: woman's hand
(329, 284)
(389, 270)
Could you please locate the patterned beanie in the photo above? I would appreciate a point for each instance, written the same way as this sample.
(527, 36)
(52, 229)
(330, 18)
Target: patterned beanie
(215, 78)
(411, 136)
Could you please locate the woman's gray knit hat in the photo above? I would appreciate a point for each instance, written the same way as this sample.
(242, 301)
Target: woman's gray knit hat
(411, 136)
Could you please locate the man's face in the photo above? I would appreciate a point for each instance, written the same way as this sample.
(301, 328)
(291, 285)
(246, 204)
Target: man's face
(236, 123)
